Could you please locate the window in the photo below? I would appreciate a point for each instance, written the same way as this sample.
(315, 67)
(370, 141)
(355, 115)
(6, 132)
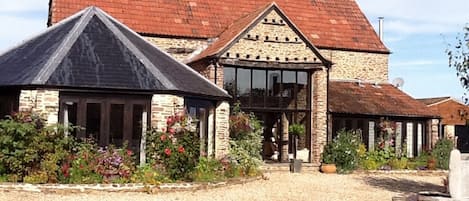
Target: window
(258, 88)
(109, 119)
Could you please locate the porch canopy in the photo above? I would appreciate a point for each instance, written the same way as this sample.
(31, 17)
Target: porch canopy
(92, 50)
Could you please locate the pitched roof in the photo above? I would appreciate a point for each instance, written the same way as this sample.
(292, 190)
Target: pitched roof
(93, 50)
(230, 36)
(337, 24)
(430, 101)
(452, 111)
(382, 100)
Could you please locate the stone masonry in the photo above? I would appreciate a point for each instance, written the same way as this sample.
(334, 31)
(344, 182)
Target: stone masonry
(44, 102)
(371, 67)
(222, 126)
(272, 39)
(319, 114)
(164, 106)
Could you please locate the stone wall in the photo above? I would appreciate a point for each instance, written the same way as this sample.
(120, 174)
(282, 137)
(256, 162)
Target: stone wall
(272, 39)
(222, 126)
(371, 67)
(319, 114)
(164, 106)
(180, 48)
(44, 102)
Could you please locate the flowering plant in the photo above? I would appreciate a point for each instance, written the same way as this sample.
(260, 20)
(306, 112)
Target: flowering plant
(175, 148)
(114, 163)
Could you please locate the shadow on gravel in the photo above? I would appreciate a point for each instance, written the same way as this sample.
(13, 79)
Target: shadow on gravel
(402, 185)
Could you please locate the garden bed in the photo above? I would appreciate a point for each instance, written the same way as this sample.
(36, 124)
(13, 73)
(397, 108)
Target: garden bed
(129, 187)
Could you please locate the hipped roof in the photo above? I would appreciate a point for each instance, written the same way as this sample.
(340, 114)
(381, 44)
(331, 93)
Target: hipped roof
(335, 24)
(349, 97)
(93, 50)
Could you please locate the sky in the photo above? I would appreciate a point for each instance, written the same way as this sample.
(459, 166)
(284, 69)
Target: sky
(417, 32)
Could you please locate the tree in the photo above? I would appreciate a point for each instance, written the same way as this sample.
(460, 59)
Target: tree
(458, 58)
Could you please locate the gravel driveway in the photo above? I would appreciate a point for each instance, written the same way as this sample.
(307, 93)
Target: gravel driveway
(279, 186)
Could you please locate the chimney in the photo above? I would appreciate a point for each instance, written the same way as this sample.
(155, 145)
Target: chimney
(380, 34)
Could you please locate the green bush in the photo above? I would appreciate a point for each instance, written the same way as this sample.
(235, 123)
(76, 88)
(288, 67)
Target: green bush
(343, 150)
(297, 129)
(149, 175)
(441, 152)
(176, 149)
(207, 170)
(245, 143)
(369, 164)
(398, 163)
(27, 147)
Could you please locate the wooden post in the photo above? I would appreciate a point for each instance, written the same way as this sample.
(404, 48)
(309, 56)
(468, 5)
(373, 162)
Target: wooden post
(143, 140)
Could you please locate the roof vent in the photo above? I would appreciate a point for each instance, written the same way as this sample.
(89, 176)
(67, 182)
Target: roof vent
(376, 85)
(360, 83)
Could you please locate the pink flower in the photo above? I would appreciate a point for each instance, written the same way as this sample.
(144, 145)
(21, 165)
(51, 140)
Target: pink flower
(129, 152)
(170, 121)
(172, 130)
(181, 149)
(167, 151)
(163, 137)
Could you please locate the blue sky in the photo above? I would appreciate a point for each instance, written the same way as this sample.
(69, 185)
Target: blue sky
(417, 33)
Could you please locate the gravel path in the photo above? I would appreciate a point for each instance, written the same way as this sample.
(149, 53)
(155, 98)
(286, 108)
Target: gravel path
(280, 186)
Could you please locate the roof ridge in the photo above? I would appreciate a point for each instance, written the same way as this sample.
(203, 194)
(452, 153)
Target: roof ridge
(56, 58)
(158, 73)
(129, 45)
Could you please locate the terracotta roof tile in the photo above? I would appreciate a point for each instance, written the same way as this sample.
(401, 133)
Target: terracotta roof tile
(451, 111)
(381, 100)
(157, 17)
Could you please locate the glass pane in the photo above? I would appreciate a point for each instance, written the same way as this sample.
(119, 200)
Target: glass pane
(116, 125)
(258, 87)
(71, 112)
(93, 120)
(243, 90)
(136, 127)
(229, 80)
(273, 87)
(288, 89)
(302, 93)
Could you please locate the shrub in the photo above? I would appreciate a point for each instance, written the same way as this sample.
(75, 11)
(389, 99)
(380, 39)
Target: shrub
(148, 175)
(343, 150)
(369, 164)
(176, 149)
(115, 164)
(208, 169)
(441, 152)
(245, 142)
(27, 147)
(398, 163)
(296, 129)
(80, 167)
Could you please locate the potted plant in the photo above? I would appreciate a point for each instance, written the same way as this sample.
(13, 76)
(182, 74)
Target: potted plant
(328, 160)
(296, 130)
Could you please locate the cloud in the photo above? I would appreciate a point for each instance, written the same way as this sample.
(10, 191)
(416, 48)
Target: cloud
(421, 62)
(418, 16)
(22, 19)
(23, 5)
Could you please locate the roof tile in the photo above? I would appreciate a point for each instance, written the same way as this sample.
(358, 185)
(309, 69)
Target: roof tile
(309, 15)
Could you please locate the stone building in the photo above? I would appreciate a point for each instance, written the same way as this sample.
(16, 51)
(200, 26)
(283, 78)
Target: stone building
(276, 58)
(92, 71)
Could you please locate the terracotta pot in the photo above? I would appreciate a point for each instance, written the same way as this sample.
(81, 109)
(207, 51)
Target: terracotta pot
(431, 164)
(328, 168)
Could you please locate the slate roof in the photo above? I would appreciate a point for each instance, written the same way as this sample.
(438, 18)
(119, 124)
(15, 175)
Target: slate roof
(93, 50)
(335, 24)
(383, 100)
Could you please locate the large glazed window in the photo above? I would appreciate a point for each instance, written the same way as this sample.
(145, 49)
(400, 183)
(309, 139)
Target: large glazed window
(107, 118)
(264, 89)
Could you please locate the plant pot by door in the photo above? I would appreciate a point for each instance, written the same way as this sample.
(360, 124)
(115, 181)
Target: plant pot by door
(328, 168)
